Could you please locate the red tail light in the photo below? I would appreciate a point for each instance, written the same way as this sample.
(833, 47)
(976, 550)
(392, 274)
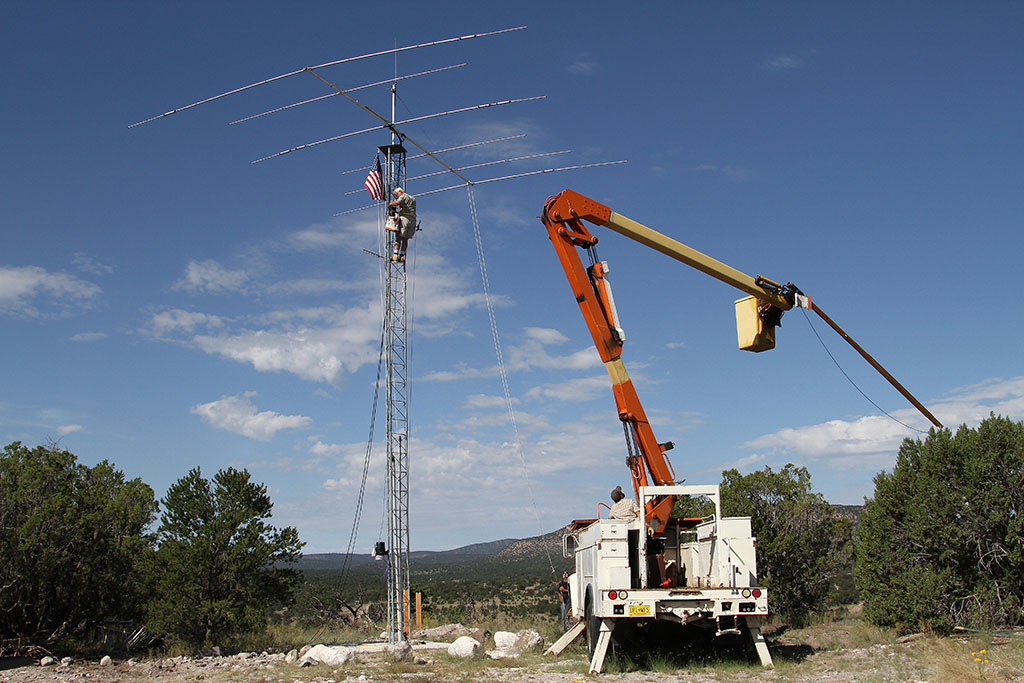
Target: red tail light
(757, 592)
(612, 595)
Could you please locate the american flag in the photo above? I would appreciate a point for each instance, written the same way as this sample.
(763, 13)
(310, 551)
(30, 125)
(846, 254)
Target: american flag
(374, 181)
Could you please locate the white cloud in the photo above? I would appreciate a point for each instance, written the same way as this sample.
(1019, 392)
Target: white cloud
(88, 336)
(545, 335)
(210, 276)
(238, 415)
(320, 354)
(580, 389)
(24, 289)
(337, 233)
(178, 320)
(529, 355)
(64, 430)
(322, 344)
(87, 264)
(483, 401)
(782, 63)
(319, 448)
(873, 440)
(584, 65)
(312, 286)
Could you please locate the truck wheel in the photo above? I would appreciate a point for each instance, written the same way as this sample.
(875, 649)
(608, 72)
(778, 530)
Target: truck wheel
(593, 626)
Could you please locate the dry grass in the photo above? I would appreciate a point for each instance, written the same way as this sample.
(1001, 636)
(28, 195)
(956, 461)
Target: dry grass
(841, 647)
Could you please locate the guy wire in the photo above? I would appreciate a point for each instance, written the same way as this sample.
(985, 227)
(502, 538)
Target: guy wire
(877, 407)
(501, 363)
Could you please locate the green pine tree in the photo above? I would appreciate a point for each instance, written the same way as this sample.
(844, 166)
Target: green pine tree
(941, 542)
(217, 570)
(803, 546)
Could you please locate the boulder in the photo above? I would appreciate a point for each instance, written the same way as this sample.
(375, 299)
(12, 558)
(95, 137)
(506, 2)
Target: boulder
(47, 661)
(505, 640)
(465, 647)
(528, 639)
(398, 652)
(65, 661)
(331, 655)
(446, 632)
(304, 649)
(291, 657)
(481, 635)
(106, 661)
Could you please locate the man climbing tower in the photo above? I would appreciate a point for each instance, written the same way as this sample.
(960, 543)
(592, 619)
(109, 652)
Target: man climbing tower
(405, 222)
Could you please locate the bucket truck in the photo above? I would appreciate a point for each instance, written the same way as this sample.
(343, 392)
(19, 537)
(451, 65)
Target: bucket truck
(698, 572)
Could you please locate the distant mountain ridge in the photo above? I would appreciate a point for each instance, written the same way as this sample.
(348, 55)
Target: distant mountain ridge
(331, 561)
(536, 555)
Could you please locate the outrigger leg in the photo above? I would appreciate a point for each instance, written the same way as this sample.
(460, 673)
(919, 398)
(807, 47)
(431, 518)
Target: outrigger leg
(754, 629)
(603, 638)
(569, 636)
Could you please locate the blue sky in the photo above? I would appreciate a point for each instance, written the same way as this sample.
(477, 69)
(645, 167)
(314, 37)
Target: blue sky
(166, 303)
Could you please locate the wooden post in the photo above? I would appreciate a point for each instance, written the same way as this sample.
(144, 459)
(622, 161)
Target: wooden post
(419, 611)
(405, 611)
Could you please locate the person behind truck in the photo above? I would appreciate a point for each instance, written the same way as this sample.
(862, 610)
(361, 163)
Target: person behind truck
(405, 222)
(622, 508)
(563, 600)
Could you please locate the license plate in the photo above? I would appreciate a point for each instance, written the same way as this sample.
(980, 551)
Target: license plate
(639, 610)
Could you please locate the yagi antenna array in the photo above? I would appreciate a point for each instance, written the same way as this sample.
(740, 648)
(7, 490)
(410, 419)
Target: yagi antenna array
(389, 125)
(446, 149)
(494, 180)
(393, 125)
(358, 87)
(325, 64)
(480, 165)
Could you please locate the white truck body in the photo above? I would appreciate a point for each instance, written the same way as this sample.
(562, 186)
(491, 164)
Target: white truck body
(704, 575)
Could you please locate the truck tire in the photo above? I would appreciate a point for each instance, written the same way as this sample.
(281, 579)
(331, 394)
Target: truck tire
(593, 626)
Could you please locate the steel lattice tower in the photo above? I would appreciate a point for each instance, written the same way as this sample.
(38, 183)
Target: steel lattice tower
(397, 397)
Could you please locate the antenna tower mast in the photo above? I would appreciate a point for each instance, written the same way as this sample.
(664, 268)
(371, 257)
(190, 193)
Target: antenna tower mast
(397, 397)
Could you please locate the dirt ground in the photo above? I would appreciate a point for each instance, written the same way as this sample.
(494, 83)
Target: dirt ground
(810, 655)
(431, 667)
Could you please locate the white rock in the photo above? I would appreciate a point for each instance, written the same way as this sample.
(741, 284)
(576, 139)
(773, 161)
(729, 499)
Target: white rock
(503, 654)
(308, 661)
(465, 647)
(330, 655)
(304, 649)
(399, 652)
(65, 661)
(47, 661)
(448, 631)
(504, 640)
(106, 661)
(528, 639)
(291, 657)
